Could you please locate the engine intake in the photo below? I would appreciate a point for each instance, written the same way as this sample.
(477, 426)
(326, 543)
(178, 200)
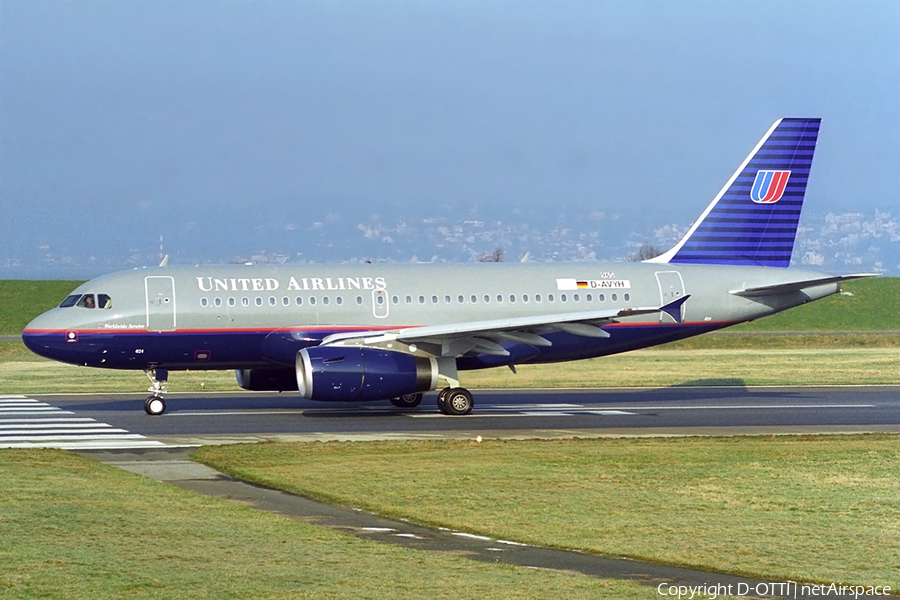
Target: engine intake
(350, 373)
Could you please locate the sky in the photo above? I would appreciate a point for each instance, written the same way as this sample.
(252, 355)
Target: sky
(229, 127)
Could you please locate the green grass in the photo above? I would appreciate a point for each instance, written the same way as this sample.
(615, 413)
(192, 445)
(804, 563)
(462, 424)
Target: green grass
(74, 528)
(21, 373)
(22, 300)
(817, 508)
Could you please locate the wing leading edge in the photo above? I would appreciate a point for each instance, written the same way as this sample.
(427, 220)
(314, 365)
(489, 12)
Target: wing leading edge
(485, 337)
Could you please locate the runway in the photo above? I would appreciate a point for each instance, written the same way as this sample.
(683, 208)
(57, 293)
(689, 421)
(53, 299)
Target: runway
(110, 421)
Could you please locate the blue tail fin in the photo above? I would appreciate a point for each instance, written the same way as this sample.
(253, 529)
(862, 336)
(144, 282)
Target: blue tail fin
(753, 220)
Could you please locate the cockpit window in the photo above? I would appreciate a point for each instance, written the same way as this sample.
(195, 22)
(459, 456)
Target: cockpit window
(87, 301)
(104, 301)
(70, 301)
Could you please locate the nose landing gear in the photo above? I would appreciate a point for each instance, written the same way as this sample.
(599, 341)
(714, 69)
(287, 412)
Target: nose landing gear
(155, 405)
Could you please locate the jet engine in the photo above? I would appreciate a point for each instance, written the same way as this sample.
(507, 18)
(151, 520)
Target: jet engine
(266, 380)
(351, 373)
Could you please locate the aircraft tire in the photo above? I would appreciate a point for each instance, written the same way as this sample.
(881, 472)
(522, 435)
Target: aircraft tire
(458, 401)
(442, 395)
(407, 401)
(154, 406)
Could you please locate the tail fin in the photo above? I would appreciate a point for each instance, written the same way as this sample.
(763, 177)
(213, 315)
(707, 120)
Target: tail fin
(753, 220)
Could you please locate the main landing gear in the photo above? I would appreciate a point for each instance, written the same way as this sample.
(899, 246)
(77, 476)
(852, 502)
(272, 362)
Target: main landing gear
(407, 401)
(155, 405)
(455, 401)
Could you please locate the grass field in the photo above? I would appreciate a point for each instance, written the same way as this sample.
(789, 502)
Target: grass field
(22, 373)
(23, 300)
(74, 528)
(818, 508)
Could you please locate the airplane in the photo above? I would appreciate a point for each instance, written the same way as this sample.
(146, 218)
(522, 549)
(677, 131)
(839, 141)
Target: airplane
(393, 332)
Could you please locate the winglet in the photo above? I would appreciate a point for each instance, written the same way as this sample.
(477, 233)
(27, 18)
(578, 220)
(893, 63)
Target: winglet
(673, 308)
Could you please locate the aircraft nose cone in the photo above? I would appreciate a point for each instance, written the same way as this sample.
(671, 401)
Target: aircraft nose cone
(35, 338)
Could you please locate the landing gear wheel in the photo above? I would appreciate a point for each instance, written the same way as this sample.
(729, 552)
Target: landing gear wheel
(407, 401)
(442, 395)
(154, 406)
(458, 401)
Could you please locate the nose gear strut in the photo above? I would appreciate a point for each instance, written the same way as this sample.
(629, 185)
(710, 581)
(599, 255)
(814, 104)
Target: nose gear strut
(155, 405)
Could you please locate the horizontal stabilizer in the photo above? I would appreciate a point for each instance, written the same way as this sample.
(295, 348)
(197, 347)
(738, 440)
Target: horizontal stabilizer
(796, 286)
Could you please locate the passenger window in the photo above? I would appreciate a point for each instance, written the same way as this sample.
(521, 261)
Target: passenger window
(204, 302)
(272, 301)
(576, 297)
(104, 301)
(286, 301)
(499, 298)
(563, 298)
(70, 301)
(409, 299)
(325, 300)
(245, 301)
(487, 298)
(537, 298)
(524, 297)
(359, 300)
(231, 302)
(434, 299)
(627, 297)
(549, 297)
(615, 298)
(87, 301)
(512, 298)
(421, 299)
(602, 297)
(312, 300)
(259, 301)
(218, 301)
(339, 300)
(460, 299)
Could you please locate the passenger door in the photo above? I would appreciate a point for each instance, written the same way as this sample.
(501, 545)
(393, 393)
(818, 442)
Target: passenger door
(160, 302)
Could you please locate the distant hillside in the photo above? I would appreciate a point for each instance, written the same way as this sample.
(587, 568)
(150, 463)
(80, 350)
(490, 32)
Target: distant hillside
(873, 306)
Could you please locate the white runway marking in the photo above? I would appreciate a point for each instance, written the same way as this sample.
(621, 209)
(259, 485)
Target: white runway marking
(51, 427)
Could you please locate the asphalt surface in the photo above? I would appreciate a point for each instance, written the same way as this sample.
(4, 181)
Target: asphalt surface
(193, 419)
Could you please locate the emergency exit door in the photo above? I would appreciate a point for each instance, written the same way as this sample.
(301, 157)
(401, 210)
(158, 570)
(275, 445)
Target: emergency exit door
(671, 288)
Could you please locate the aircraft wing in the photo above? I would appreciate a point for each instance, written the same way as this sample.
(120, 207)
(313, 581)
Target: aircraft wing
(484, 337)
(796, 286)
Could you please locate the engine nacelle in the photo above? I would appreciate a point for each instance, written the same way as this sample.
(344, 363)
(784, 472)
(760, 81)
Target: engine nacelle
(351, 373)
(266, 380)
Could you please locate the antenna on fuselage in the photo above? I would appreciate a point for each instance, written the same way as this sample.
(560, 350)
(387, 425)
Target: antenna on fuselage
(165, 261)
